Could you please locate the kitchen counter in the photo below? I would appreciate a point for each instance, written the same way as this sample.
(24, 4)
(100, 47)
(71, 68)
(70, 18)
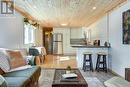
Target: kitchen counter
(89, 46)
(80, 49)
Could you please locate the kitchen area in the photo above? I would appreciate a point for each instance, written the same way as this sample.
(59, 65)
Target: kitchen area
(87, 44)
(80, 40)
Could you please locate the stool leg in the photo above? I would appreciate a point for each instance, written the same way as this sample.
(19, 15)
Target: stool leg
(84, 63)
(105, 64)
(98, 64)
(98, 56)
(91, 63)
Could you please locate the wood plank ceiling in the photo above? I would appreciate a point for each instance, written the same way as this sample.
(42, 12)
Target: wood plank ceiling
(74, 13)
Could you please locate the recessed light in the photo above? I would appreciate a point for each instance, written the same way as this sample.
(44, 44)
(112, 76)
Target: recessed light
(64, 24)
(94, 8)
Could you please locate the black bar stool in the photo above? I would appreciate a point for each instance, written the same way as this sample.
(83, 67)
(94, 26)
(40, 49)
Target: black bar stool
(101, 64)
(87, 62)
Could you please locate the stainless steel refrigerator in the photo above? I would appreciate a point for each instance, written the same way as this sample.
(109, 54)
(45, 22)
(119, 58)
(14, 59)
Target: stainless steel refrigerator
(57, 43)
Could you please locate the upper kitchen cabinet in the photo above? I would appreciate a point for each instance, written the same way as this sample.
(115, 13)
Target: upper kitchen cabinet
(76, 33)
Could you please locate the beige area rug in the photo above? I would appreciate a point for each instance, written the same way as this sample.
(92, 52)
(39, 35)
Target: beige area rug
(47, 76)
(93, 82)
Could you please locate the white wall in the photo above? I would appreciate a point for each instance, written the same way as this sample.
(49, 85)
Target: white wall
(12, 32)
(120, 53)
(99, 30)
(39, 37)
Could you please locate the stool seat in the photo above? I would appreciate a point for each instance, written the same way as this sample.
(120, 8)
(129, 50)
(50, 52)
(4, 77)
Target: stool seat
(87, 53)
(102, 53)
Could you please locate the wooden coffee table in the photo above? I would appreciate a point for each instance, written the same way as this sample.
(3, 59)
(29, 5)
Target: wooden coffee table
(58, 83)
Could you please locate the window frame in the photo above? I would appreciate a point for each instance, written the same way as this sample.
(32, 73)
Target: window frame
(32, 29)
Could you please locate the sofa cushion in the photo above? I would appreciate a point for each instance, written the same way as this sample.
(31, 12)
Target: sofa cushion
(23, 51)
(23, 73)
(17, 81)
(3, 82)
(4, 63)
(21, 68)
(16, 59)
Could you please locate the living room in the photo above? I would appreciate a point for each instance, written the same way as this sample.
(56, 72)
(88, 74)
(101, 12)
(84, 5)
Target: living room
(43, 42)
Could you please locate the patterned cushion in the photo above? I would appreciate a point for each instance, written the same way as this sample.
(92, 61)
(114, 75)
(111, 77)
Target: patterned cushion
(16, 59)
(4, 63)
(23, 51)
(3, 82)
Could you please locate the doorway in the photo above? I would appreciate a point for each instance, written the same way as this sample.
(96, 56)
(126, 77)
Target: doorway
(47, 39)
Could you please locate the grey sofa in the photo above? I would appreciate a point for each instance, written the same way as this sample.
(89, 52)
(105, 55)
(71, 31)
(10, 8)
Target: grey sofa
(23, 78)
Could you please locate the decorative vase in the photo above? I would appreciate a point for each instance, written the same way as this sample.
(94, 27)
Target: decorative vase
(68, 71)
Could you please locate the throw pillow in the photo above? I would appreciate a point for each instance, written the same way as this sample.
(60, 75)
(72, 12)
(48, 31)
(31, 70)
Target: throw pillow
(3, 82)
(16, 59)
(4, 63)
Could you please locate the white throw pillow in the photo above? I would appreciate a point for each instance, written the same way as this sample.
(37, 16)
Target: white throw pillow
(3, 82)
(4, 63)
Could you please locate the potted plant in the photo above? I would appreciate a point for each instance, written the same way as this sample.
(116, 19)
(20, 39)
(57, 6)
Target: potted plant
(68, 69)
(26, 21)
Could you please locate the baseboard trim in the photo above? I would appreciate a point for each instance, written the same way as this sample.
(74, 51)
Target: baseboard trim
(110, 70)
(69, 54)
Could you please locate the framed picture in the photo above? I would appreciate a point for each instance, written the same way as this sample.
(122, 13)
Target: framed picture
(126, 27)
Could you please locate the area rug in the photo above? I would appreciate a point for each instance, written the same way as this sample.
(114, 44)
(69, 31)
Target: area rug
(93, 82)
(47, 76)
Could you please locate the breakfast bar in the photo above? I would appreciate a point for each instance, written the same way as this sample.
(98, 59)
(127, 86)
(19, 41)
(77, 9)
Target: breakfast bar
(81, 49)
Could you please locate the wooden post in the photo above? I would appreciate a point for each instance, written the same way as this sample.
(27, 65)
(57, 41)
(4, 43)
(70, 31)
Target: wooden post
(37, 60)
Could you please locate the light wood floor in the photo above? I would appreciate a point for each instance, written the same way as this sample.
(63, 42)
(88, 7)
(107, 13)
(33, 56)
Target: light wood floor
(94, 79)
(54, 61)
(102, 76)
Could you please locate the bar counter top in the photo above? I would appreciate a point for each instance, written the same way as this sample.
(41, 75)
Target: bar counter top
(88, 46)
(81, 49)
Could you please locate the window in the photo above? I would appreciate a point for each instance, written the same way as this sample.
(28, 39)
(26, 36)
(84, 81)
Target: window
(29, 36)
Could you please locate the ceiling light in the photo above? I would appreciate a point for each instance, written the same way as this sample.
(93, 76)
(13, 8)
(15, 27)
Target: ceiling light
(94, 8)
(63, 24)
